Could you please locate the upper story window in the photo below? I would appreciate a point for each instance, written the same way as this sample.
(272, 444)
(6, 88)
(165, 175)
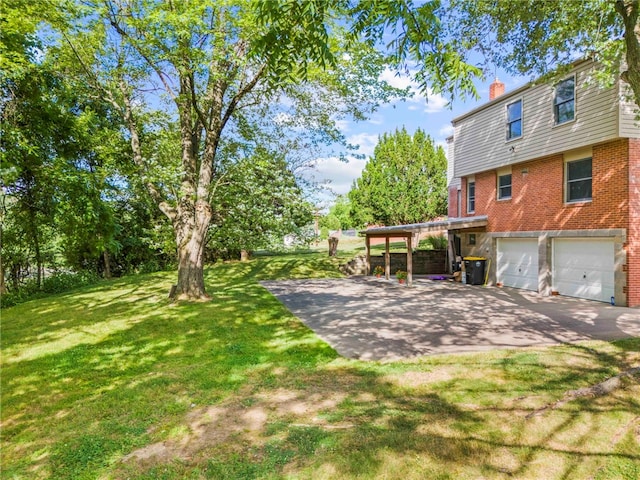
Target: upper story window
(504, 186)
(564, 101)
(579, 180)
(514, 120)
(471, 196)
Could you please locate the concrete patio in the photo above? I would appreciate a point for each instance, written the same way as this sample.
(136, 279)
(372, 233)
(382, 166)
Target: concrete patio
(376, 319)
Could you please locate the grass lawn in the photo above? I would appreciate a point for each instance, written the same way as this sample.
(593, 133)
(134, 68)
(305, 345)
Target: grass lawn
(356, 246)
(113, 381)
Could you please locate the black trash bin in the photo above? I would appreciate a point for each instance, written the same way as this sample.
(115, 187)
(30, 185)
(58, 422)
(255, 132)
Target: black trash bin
(474, 270)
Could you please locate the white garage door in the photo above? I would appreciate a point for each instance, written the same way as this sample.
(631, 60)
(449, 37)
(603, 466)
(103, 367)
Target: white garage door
(518, 262)
(584, 268)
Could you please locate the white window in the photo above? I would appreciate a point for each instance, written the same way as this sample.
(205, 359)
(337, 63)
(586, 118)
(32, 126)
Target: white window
(514, 120)
(578, 174)
(504, 186)
(471, 196)
(564, 101)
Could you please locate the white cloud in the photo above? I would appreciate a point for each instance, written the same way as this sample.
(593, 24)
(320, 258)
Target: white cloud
(335, 174)
(285, 101)
(367, 142)
(282, 118)
(432, 103)
(343, 125)
(446, 130)
(397, 80)
(435, 103)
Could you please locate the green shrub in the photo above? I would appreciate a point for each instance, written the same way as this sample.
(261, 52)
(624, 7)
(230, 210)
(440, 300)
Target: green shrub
(435, 242)
(63, 282)
(56, 283)
(9, 299)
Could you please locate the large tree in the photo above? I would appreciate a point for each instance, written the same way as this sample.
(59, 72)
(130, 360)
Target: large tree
(447, 45)
(403, 182)
(543, 37)
(259, 204)
(339, 215)
(52, 155)
(203, 65)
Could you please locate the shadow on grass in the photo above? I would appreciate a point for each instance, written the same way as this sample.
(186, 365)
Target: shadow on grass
(113, 361)
(375, 428)
(239, 388)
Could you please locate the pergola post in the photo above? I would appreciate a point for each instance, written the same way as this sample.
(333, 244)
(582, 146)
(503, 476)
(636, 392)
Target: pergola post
(368, 244)
(387, 259)
(451, 251)
(409, 260)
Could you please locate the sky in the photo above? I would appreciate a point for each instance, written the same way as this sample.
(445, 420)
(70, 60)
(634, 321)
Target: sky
(433, 115)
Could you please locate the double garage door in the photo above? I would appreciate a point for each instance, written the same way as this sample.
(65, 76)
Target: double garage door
(582, 268)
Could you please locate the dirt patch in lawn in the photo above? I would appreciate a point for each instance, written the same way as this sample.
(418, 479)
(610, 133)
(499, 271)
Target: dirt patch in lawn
(242, 420)
(412, 379)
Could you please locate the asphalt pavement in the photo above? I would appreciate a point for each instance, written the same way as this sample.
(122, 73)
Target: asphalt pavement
(377, 319)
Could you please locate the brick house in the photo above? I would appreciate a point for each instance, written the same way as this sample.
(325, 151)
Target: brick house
(548, 179)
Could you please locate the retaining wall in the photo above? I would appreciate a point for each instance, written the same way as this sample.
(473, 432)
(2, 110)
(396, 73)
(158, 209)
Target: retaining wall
(425, 262)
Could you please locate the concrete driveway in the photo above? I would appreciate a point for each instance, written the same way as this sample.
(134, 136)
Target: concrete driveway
(375, 319)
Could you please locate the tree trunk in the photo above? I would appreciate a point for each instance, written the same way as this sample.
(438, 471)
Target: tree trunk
(3, 286)
(629, 10)
(333, 246)
(36, 244)
(191, 232)
(107, 265)
(15, 277)
(190, 284)
(33, 230)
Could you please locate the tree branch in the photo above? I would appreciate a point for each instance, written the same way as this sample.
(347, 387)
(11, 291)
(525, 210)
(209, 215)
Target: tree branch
(240, 94)
(629, 10)
(138, 159)
(113, 21)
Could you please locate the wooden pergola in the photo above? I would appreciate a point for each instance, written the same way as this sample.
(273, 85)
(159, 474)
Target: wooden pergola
(412, 233)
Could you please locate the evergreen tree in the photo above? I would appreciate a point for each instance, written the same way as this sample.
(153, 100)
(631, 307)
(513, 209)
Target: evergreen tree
(403, 182)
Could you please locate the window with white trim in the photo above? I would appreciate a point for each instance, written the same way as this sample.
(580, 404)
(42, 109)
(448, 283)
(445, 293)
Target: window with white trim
(564, 101)
(579, 180)
(514, 120)
(504, 186)
(471, 196)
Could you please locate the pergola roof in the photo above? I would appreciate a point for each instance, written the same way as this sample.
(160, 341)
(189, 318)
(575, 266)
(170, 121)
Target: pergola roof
(412, 233)
(439, 225)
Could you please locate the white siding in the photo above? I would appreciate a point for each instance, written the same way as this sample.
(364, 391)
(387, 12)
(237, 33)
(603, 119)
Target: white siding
(629, 126)
(480, 137)
(451, 180)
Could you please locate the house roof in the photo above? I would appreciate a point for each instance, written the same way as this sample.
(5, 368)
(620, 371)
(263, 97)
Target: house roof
(513, 93)
(439, 225)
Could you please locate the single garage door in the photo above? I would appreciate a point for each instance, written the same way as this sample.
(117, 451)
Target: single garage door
(584, 268)
(518, 263)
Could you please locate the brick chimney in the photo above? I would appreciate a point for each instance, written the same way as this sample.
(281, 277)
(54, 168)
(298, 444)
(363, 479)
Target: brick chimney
(496, 89)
